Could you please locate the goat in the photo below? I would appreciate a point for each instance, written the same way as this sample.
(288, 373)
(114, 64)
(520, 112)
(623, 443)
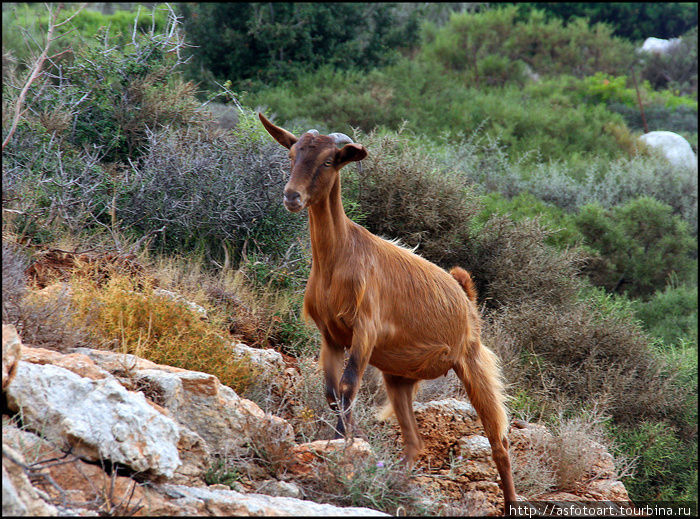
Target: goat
(388, 306)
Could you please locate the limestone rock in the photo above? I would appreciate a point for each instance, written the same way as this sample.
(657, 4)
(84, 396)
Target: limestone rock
(78, 363)
(19, 497)
(673, 147)
(82, 484)
(11, 353)
(174, 296)
(205, 501)
(441, 424)
(272, 487)
(98, 419)
(202, 404)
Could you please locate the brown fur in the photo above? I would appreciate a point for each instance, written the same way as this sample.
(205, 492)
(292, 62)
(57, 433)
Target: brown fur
(387, 306)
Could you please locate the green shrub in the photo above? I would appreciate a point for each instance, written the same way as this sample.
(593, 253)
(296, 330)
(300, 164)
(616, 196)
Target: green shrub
(111, 93)
(548, 46)
(265, 43)
(631, 20)
(671, 314)
(640, 243)
(666, 467)
(525, 205)
(528, 123)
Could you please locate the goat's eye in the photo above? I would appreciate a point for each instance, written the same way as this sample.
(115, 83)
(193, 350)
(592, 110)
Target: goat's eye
(328, 163)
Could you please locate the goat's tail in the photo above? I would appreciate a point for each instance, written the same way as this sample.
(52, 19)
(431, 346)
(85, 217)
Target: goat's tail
(465, 280)
(480, 372)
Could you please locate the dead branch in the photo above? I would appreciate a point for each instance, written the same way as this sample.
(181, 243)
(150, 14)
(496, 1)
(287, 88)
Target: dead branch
(38, 65)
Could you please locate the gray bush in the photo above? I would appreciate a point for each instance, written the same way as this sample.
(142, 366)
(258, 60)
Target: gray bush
(609, 183)
(205, 185)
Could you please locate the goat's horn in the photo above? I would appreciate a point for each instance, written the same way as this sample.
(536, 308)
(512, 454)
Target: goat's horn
(340, 139)
(313, 132)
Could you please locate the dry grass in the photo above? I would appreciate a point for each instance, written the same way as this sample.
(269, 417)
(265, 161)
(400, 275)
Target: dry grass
(565, 456)
(132, 319)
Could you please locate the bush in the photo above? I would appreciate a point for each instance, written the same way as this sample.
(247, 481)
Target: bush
(220, 188)
(524, 205)
(397, 192)
(526, 121)
(590, 352)
(43, 319)
(677, 69)
(671, 314)
(266, 43)
(116, 92)
(548, 47)
(666, 467)
(640, 243)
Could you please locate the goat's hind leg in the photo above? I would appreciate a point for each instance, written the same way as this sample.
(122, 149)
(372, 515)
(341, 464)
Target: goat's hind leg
(480, 374)
(401, 391)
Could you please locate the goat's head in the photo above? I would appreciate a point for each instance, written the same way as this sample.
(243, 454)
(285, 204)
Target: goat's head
(316, 160)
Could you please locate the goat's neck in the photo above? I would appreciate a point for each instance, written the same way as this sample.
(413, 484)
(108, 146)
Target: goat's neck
(328, 227)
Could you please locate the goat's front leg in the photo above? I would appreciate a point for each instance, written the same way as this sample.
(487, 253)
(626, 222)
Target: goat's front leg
(363, 339)
(331, 360)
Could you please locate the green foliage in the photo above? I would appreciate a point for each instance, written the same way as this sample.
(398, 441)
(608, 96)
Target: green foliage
(85, 26)
(671, 314)
(666, 468)
(269, 42)
(640, 244)
(547, 46)
(525, 205)
(523, 120)
(632, 20)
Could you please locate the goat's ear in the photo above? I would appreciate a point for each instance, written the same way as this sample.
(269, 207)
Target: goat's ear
(350, 153)
(281, 135)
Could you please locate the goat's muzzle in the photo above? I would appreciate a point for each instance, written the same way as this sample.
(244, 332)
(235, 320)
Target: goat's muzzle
(292, 201)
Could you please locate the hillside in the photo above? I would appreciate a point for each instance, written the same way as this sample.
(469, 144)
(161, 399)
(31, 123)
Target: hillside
(147, 252)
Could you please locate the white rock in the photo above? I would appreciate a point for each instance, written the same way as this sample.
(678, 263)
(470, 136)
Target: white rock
(672, 146)
(180, 299)
(272, 487)
(658, 45)
(223, 419)
(447, 406)
(475, 447)
(98, 418)
(264, 358)
(230, 502)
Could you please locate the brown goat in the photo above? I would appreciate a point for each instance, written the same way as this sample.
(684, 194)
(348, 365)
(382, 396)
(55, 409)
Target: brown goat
(388, 306)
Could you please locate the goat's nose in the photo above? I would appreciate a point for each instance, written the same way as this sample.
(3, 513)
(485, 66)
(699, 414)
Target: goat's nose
(292, 197)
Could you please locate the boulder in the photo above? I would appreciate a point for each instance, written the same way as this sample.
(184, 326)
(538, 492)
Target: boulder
(74, 482)
(224, 420)
(96, 419)
(206, 501)
(673, 147)
(272, 371)
(658, 45)
(78, 363)
(11, 353)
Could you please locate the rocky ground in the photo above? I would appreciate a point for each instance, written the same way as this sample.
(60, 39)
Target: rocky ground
(92, 432)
